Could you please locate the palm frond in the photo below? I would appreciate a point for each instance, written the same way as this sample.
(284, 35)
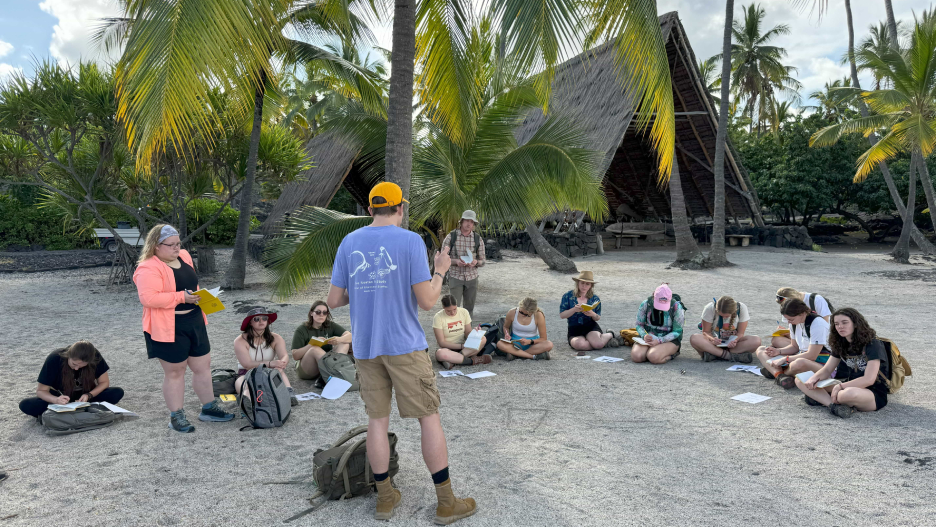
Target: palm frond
(864, 125)
(885, 149)
(365, 84)
(307, 246)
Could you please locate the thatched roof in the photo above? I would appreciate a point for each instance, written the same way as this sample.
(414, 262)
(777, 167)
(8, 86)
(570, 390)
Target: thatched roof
(332, 158)
(586, 89)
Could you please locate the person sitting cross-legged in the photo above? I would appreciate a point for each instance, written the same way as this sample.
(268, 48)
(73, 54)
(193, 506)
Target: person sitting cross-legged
(452, 326)
(584, 332)
(320, 326)
(526, 327)
(258, 345)
(660, 321)
(807, 352)
(723, 319)
(859, 360)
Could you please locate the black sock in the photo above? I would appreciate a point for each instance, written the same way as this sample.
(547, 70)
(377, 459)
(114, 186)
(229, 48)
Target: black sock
(466, 361)
(381, 477)
(440, 476)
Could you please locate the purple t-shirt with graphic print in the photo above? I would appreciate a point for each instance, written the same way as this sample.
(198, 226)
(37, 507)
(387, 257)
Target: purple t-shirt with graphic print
(379, 266)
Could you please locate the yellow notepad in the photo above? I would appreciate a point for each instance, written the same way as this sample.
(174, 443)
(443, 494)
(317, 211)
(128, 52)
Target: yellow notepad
(781, 333)
(318, 341)
(208, 303)
(228, 397)
(589, 307)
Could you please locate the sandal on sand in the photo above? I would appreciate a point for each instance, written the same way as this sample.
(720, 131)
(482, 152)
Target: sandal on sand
(786, 381)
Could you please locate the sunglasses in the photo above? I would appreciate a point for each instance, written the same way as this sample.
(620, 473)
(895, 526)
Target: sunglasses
(320, 312)
(263, 318)
(780, 299)
(524, 314)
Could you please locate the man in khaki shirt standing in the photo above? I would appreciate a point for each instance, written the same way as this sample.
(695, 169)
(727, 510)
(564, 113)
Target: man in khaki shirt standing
(463, 276)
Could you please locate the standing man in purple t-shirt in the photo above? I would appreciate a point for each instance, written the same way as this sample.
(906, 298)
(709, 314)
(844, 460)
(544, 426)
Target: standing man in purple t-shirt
(382, 272)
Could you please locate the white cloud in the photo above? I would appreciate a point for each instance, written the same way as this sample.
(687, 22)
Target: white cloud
(7, 70)
(5, 48)
(77, 21)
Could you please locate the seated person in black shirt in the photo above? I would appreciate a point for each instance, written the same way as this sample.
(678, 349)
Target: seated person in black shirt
(856, 357)
(75, 373)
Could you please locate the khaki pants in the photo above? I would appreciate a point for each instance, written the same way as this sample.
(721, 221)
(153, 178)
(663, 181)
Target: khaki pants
(410, 376)
(464, 292)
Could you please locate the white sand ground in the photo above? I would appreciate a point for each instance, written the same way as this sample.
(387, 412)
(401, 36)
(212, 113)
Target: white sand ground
(564, 442)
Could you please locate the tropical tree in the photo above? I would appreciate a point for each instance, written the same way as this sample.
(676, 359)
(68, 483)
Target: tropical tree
(878, 41)
(780, 113)
(708, 69)
(758, 74)
(177, 51)
(924, 244)
(833, 102)
(905, 113)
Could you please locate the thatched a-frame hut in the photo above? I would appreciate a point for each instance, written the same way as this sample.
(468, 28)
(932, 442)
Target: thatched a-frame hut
(586, 88)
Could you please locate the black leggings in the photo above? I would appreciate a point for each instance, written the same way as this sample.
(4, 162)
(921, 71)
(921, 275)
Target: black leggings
(34, 406)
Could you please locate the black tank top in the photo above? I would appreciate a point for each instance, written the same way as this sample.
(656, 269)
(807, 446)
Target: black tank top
(185, 279)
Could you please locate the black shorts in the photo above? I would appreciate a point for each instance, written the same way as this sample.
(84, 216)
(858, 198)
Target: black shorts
(191, 340)
(879, 389)
(580, 330)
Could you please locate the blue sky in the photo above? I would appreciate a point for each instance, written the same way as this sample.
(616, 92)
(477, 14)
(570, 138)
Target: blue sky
(60, 29)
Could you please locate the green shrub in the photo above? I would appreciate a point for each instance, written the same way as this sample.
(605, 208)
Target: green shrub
(30, 225)
(223, 231)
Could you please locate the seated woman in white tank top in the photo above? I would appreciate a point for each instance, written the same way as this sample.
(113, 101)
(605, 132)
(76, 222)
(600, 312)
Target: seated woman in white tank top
(258, 345)
(525, 333)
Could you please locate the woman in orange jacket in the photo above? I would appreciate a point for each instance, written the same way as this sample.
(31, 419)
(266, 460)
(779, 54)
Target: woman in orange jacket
(174, 325)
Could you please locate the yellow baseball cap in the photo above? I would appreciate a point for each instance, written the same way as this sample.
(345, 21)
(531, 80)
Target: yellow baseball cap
(391, 192)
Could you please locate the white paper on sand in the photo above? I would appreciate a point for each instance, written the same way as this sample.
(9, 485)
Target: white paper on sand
(308, 396)
(746, 367)
(749, 397)
(215, 292)
(583, 356)
(70, 407)
(450, 373)
(467, 258)
(335, 388)
(605, 358)
(124, 413)
(729, 341)
(474, 339)
(480, 374)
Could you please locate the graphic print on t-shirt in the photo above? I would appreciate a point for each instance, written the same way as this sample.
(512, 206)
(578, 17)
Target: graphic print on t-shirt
(380, 264)
(857, 363)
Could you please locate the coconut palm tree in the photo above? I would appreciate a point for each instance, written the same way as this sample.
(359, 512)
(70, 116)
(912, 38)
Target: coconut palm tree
(709, 74)
(176, 51)
(780, 113)
(878, 41)
(905, 113)
(758, 74)
(485, 169)
(833, 101)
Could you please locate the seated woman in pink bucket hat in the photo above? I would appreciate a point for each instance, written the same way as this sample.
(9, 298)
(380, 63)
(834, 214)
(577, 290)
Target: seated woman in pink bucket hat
(660, 325)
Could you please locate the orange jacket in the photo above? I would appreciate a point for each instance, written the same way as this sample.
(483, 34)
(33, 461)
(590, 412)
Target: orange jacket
(157, 290)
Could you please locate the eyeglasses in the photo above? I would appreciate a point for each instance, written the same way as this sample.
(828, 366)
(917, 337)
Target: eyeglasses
(263, 318)
(172, 245)
(320, 313)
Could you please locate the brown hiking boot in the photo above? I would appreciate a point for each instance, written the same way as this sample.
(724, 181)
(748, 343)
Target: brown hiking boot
(451, 509)
(745, 358)
(480, 359)
(388, 499)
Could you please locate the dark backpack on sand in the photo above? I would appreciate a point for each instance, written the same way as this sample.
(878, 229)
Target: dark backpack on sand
(342, 471)
(81, 420)
(265, 401)
(222, 381)
(341, 365)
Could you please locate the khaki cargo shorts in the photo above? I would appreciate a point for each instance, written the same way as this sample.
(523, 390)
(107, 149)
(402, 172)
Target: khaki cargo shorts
(412, 377)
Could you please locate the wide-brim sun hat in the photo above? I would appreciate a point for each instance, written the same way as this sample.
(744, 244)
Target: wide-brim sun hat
(257, 311)
(470, 215)
(585, 276)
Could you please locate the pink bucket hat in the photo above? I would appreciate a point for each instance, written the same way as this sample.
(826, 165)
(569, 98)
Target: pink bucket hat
(662, 297)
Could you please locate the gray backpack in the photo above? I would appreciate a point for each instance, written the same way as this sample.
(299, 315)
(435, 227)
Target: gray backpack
(265, 401)
(340, 365)
(81, 420)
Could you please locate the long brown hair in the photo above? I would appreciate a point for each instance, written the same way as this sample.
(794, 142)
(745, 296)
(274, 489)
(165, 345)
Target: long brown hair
(311, 323)
(862, 336)
(589, 294)
(793, 307)
(726, 304)
(267, 335)
(82, 351)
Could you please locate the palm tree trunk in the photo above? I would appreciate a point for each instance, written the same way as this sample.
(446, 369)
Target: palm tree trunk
(901, 252)
(928, 189)
(915, 234)
(687, 250)
(399, 151)
(237, 269)
(716, 256)
(891, 23)
(553, 258)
